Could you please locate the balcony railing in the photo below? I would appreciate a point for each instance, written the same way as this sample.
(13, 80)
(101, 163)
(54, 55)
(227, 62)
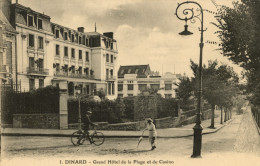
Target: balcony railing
(73, 75)
(41, 71)
(3, 69)
(110, 77)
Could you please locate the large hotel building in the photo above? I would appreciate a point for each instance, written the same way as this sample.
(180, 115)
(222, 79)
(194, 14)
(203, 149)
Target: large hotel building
(48, 53)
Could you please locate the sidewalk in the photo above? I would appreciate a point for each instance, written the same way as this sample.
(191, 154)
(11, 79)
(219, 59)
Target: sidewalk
(184, 131)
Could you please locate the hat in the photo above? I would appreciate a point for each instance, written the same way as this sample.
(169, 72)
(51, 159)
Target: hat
(88, 112)
(149, 120)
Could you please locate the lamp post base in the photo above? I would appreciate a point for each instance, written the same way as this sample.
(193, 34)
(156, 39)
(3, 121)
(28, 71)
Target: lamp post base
(197, 140)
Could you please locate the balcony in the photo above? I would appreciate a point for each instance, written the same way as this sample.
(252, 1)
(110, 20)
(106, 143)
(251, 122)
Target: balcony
(110, 77)
(3, 69)
(73, 75)
(37, 71)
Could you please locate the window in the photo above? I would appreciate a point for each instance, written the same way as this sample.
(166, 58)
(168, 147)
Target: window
(87, 71)
(120, 87)
(168, 86)
(57, 67)
(66, 68)
(41, 83)
(112, 59)
(111, 88)
(31, 84)
(72, 69)
(39, 24)
(168, 95)
(87, 57)
(72, 53)
(66, 51)
(87, 42)
(80, 54)
(130, 87)
(66, 35)
(107, 73)
(72, 38)
(57, 49)
(120, 95)
(57, 33)
(31, 62)
(40, 42)
(30, 20)
(31, 40)
(80, 70)
(155, 86)
(79, 40)
(142, 87)
(111, 72)
(107, 58)
(88, 89)
(40, 64)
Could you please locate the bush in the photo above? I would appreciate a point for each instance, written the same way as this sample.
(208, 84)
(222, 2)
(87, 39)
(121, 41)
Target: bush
(169, 108)
(105, 111)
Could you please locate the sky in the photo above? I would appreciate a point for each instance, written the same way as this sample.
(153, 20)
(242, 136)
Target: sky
(146, 30)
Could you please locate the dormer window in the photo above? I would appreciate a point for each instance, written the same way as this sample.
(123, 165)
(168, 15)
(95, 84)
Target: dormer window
(39, 24)
(66, 35)
(57, 33)
(72, 38)
(87, 42)
(79, 40)
(30, 20)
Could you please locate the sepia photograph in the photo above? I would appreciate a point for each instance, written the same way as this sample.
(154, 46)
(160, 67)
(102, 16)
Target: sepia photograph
(130, 82)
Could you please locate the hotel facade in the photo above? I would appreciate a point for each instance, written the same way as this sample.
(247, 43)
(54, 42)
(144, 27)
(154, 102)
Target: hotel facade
(49, 53)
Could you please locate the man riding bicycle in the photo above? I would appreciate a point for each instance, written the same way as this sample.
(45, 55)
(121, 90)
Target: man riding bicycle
(86, 122)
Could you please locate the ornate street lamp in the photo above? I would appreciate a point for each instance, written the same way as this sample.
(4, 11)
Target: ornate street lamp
(79, 118)
(191, 14)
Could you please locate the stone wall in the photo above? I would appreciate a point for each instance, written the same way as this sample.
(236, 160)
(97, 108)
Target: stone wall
(167, 122)
(44, 121)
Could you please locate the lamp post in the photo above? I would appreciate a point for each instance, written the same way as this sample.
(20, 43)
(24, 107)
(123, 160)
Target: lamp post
(192, 14)
(79, 118)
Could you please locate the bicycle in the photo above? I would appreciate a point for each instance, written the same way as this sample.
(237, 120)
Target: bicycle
(97, 138)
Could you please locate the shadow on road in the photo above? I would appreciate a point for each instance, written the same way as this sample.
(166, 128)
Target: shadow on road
(125, 151)
(43, 148)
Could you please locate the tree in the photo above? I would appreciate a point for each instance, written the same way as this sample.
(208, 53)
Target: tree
(240, 40)
(184, 89)
(219, 84)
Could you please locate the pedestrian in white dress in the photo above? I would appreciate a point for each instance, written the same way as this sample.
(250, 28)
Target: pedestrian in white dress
(152, 133)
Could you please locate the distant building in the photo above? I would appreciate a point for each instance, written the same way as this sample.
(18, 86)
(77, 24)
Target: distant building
(7, 52)
(134, 79)
(49, 53)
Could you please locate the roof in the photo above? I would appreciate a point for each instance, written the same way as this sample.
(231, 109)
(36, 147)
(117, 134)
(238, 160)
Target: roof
(17, 5)
(7, 26)
(140, 70)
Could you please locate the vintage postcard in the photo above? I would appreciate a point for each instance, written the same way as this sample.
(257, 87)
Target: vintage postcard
(129, 82)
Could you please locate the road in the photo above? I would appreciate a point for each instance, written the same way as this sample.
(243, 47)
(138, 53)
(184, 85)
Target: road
(216, 147)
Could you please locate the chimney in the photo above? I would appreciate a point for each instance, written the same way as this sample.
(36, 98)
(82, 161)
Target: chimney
(81, 29)
(109, 34)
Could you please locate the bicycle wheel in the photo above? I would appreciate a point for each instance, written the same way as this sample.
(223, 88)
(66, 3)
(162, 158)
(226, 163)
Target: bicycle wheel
(75, 137)
(98, 138)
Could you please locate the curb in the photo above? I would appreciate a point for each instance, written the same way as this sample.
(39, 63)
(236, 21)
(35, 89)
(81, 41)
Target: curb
(115, 136)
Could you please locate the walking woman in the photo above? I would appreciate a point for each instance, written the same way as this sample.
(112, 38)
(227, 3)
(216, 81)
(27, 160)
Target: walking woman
(152, 133)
